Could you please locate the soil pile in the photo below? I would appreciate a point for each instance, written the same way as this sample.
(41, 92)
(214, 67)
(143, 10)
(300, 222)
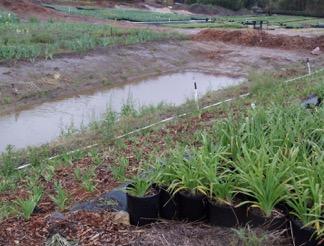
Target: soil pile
(262, 39)
(22, 7)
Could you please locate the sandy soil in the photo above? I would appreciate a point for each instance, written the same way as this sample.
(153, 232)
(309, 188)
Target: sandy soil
(106, 67)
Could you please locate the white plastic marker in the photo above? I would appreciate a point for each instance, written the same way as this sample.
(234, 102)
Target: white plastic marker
(196, 95)
(308, 66)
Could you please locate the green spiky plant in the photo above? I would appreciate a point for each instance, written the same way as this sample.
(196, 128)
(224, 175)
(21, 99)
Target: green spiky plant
(139, 187)
(186, 172)
(61, 197)
(262, 178)
(27, 206)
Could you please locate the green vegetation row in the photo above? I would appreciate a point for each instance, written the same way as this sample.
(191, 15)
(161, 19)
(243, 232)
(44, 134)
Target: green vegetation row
(276, 20)
(35, 39)
(238, 21)
(307, 7)
(123, 14)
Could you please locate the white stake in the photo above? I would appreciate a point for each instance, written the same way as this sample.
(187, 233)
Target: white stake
(196, 95)
(308, 66)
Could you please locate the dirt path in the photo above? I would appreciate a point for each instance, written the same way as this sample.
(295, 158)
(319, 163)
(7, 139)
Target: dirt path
(107, 67)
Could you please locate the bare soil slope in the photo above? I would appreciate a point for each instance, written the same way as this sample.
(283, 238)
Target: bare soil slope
(261, 39)
(24, 7)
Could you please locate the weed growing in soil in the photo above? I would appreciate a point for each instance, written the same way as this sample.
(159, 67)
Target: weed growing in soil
(250, 238)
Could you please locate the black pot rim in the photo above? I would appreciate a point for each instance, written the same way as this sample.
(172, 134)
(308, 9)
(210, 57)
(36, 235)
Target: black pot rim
(144, 197)
(297, 222)
(222, 205)
(186, 193)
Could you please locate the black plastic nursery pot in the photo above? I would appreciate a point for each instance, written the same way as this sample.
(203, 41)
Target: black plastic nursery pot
(277, 221)
(191, 207)
(143, 210)
(168, 205)
(303, 236)
(224, 215)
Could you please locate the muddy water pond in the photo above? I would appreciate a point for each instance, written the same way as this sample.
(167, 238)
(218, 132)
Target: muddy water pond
(45, 122)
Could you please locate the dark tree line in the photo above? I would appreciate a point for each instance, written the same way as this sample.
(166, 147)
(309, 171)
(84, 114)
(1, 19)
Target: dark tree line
(307, 6)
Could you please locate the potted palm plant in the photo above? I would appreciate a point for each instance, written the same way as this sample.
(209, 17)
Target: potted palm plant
(222, 206)
(219, 185)
(142, 201)
(307, 212)
(163, 178)
(187, 185)
(265, 182)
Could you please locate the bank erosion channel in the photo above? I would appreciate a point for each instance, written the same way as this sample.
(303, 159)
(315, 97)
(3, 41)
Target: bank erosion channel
(45, 122)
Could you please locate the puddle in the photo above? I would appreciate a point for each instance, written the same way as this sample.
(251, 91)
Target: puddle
(45, 122)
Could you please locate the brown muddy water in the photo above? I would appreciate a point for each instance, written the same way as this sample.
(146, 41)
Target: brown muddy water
(46, 122)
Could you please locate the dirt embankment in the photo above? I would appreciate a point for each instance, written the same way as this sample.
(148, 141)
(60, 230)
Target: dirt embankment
(261, 39)
(67, 76)
(24, 7)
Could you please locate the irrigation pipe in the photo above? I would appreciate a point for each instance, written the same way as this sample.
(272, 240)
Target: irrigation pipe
(169, 119)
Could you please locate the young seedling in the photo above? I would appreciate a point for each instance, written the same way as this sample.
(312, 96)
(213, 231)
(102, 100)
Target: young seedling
(139, 187)
(48, 172)
(247, 237)
(95, 157)
(27, 207)
(119, 171)
(87, 180)
(60, 198)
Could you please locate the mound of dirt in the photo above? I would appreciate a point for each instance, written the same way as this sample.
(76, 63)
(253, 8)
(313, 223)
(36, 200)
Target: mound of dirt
(22, 7)
(262, 39)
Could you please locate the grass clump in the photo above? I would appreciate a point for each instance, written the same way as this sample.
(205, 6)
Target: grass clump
(61, 197)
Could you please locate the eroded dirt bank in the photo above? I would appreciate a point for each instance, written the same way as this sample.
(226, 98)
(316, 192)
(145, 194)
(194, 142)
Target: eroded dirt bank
(261, 39)
(24, 84)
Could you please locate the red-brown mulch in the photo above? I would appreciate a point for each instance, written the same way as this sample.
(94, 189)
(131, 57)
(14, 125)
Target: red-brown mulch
(83, 227)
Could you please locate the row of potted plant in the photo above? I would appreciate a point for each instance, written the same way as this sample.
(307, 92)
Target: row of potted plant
(265, 169)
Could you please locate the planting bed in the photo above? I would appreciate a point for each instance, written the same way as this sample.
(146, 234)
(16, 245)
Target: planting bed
(248, 172)
(136, 151)
(262, 162)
